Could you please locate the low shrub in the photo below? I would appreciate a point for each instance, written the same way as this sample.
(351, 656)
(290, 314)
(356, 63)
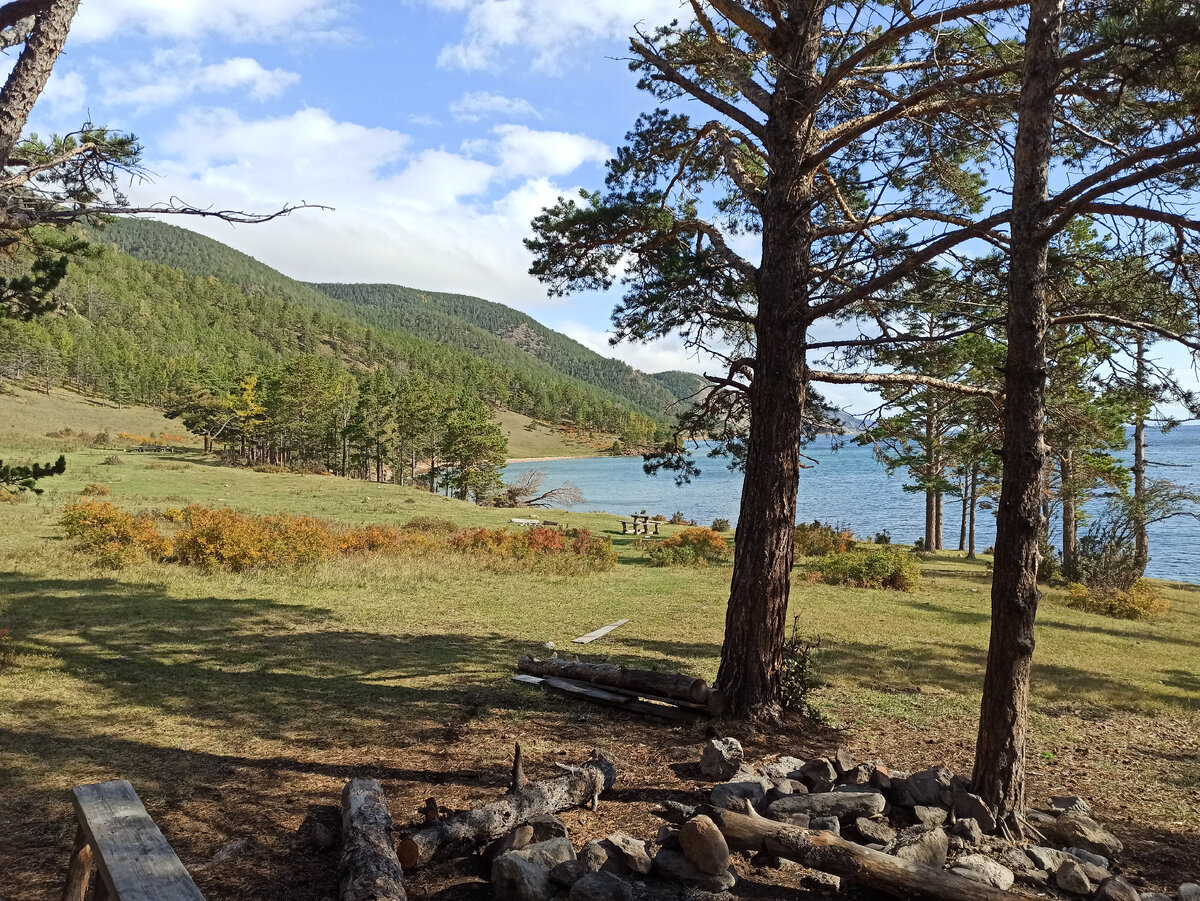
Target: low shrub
(884, 537)
(558, 549)
(112, 460)
(1138, 602)
(799, 677)
(114, 538)
(94, 490)
(887, 567)
(271, 468)
(173, 514)
(816, 539)
(678, 519)
(238, 542)
(721, 525)
(432, 525)
(691, 547)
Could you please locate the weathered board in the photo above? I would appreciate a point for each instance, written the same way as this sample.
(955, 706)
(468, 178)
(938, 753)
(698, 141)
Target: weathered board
(133, 857)
(599, 633)
(609, 697)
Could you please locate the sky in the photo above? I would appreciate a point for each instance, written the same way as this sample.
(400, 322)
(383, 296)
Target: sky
(435, 129)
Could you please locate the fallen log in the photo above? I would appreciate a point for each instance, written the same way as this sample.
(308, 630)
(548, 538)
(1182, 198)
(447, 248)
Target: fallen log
(673, 686)
(628, 701)
(368, 870)
(832, 854)
(460, 833)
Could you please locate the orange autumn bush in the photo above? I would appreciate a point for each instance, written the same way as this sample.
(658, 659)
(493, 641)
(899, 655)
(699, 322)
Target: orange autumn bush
(114, 537)
(238, 541)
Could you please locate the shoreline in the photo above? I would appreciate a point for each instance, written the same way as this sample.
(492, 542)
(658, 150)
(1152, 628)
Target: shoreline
(550, 459)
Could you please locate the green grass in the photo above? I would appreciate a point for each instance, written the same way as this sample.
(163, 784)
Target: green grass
(174, 676)
(546, 441)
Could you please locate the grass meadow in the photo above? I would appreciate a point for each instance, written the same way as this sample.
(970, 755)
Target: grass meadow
(238, 704)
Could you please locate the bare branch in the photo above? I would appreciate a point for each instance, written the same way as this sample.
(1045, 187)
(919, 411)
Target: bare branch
(751, 90)
(762, 33)
(898, 378)
(1132, 324)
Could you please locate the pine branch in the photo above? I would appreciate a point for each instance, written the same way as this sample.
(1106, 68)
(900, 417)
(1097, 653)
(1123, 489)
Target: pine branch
(898, 378)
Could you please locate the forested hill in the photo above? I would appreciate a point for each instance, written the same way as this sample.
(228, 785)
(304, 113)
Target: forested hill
(480, 328)
(493, 329)
(682, 385)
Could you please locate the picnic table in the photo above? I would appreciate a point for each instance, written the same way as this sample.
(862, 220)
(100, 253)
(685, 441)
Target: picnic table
(640, 524)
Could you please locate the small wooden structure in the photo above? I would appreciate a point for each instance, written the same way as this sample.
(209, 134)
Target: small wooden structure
(640, 524)
(525, 522)
(118, 840)
(151, 449)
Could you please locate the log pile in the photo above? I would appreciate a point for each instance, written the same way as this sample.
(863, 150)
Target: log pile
(667, 695)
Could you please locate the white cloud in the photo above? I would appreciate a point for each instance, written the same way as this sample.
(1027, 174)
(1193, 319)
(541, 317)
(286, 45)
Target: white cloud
(477, 105)
(426, 120)
(548, 28)
(657, 356)
(192, 19)
(173, 75)
(65, 93)
(429, 218)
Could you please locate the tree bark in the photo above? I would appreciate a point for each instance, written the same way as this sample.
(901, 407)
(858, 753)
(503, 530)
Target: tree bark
(755, 623)
(966, 501)
(1066, 482)
(999, 774)
(368, 870)
(461, 832)
(1141, 538)
(939, 521)
(830, 853)
(974, 506)
(29, 76)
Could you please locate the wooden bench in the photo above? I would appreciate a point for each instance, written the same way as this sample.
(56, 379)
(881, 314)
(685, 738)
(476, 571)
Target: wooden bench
(117, 839)
(640, 524)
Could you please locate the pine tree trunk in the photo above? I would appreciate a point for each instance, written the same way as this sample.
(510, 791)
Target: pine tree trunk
(962, 522)
(1141, 538)
(999, 774)
(939, 520)
(973, 507)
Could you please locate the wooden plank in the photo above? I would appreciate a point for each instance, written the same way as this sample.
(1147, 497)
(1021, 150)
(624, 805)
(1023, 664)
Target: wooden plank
(132, 855)
(608, 697)
(599, 633)
(79, 873)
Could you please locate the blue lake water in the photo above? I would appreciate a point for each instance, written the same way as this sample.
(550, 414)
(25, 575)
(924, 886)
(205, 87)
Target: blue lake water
(848, 486)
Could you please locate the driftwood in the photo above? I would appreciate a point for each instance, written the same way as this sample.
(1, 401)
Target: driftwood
(368, 870)
(832, 854)
(460, 833)
(672, 686)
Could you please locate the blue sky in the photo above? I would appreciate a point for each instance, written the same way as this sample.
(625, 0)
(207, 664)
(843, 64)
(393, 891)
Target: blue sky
(437, 129)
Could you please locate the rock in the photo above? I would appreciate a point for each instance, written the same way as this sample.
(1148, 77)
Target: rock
(782, 768)
(546, 826)
(826, 824)
(519, 878)
(668, 836)
(926, 787)
(705, 846)
(843, 762)
(675, 812)
(568, 872)
(722, 758)
(924, 845)
(672, 865)
(1038, 820)
(845, 805)
(1087, 857)
(1076, 830)
(1011, 856)
(600, 887)
(513, 840)
(746, 773)
(967, 805)
(795, 786)
(1116, 889)
(634, 852)
(930, 816)
(874, 830)
(599, 855)
(817, 771)
(1155, 896)
(1070, 878)
(985, 871)
(737, 796)
(957, 844)
(800, 820)
(860, 775)
(1063, 803)
(782, 790)
(549, 853)
(1189, 891)
(880, 778)
(816, 881)
(1034, 878)
(1047, 858)
(968, 830)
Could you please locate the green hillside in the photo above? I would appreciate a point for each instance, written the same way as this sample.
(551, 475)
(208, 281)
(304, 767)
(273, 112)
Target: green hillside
(680, 384)
(470, 325)
(494, 331)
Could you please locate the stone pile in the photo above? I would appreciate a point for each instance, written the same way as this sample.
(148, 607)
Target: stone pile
(931, 818)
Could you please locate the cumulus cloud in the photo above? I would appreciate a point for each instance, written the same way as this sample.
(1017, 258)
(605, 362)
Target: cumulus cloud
(174, 75)
(65, 93)
(429, 217)
(193, 19)
(547, 28)
(478, 105)
(657, 356)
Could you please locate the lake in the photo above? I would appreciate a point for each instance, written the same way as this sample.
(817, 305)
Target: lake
(848, 486)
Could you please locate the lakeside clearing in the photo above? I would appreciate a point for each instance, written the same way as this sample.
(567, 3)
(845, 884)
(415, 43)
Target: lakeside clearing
(238, 704)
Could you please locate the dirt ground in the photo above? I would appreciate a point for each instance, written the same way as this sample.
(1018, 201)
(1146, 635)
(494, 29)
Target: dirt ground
(1144, 788)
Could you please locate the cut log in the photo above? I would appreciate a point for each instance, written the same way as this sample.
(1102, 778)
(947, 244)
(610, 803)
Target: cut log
(368, 870)
(461, 833)
(831, 854)
(615, 697)
(664, 685)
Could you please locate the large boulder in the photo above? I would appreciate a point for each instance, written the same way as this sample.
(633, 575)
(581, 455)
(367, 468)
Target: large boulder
(783, 768)
(722, 758)
(737, 796)
(924, 845)
(1073, 829)
(1115, 888)
(874, 831)
(634, 852)
(967, 805)
(673, 866)
(845, 805)
(518, 876)
(600, 887)
(1071, 878)
(984, 870)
